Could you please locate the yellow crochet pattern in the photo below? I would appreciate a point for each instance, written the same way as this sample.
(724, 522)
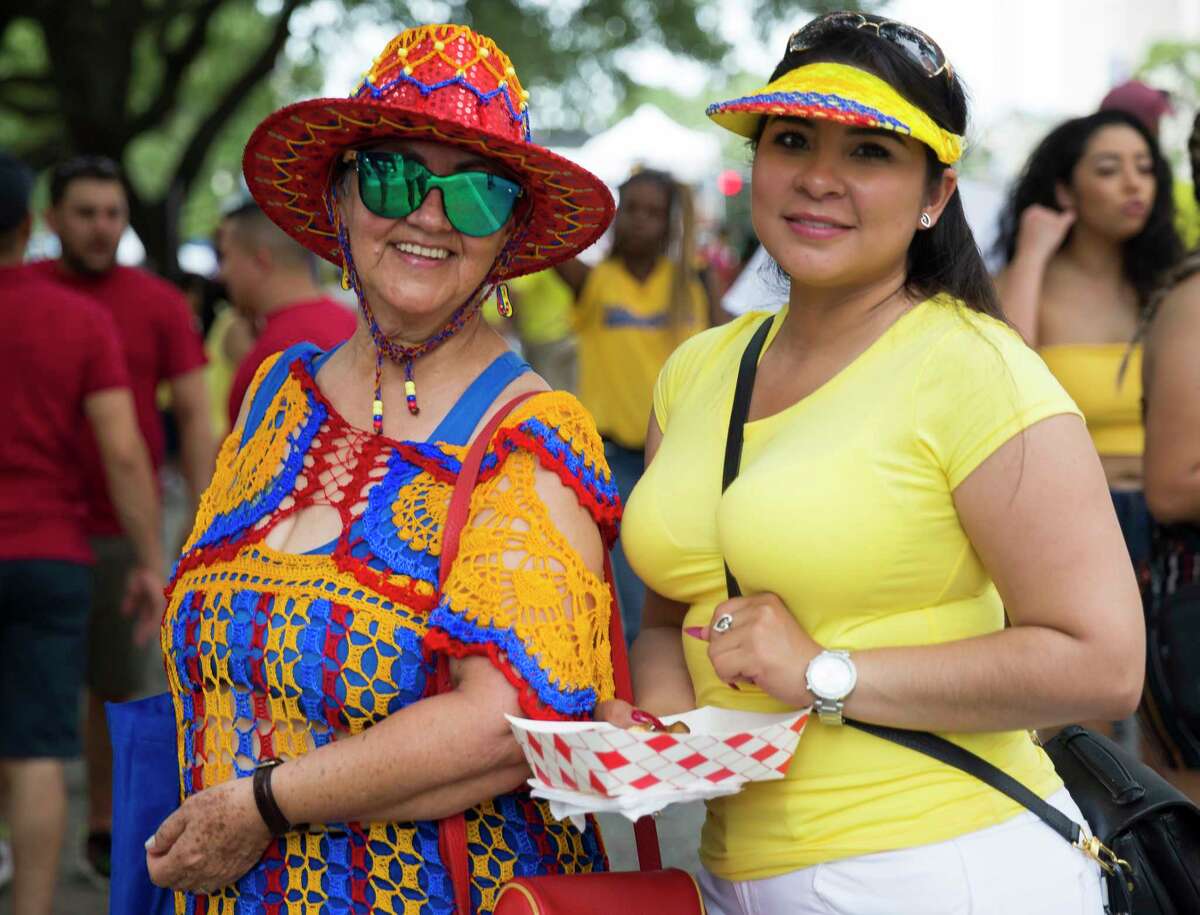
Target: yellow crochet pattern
(271, 654)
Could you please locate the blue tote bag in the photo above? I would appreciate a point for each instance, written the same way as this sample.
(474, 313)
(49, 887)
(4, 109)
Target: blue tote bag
(145, 792)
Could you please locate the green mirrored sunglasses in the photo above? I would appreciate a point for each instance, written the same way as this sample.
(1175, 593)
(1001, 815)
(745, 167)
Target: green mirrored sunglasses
(392, 185)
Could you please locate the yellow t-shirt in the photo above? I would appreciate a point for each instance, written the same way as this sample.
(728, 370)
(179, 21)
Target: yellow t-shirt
(844, 509)
(542, 309)
(624, 339)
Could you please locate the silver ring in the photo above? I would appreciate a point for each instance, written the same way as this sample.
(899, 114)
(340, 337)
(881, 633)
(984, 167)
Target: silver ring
(724, 623)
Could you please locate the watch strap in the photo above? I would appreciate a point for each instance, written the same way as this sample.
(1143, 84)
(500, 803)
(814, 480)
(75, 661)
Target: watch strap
(264, 799)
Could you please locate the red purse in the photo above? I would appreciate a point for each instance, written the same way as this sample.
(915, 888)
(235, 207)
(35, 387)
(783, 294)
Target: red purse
(651, 890)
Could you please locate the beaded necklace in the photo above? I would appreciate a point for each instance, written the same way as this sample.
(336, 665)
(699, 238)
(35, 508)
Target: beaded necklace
(401, 355)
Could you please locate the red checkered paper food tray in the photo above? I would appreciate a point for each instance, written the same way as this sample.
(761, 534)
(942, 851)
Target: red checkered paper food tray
(724, 746)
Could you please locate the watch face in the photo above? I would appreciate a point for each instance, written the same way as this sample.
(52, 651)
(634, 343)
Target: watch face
(831, 676)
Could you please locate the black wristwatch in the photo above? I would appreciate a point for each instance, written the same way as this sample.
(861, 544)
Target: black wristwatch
(264, 798)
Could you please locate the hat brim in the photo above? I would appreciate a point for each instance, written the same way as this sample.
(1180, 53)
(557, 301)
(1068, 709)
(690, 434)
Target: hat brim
(744, 116)
(290, 156)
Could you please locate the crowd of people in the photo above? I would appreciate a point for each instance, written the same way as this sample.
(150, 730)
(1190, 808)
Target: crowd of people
(939, 501)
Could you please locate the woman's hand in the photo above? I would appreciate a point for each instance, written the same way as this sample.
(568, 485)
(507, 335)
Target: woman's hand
(144, 602)
(1042, 230)
(620, 714)
(757, 640)
(210, 841)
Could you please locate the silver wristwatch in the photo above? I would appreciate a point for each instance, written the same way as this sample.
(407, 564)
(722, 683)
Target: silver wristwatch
(831, 678)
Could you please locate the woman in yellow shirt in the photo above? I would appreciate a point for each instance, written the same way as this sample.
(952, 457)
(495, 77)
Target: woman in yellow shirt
(631, 310)
(910, 472)
(1087, 236)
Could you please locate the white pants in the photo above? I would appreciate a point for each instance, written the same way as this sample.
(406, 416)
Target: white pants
(1018, 866)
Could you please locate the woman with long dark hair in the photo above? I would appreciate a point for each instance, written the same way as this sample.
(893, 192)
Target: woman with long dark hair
(909, 471)
(1087, 236)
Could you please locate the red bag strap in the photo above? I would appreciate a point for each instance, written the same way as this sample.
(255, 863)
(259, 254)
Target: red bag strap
(452, 830)
(645, 833)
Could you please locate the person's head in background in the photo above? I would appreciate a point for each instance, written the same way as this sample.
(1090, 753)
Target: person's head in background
(1145, 103)
(89, 212)
(261, 268)
(204, 295)
(1107, 168)
(1194, 156)
(655, 218)
(16, 184)
(653, 210)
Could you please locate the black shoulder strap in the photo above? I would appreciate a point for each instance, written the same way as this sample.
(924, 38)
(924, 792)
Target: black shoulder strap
(952, 754)
(735, 437)
(921, 741)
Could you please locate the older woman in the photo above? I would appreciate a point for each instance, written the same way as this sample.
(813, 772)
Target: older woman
(910, 471)
(305, 614)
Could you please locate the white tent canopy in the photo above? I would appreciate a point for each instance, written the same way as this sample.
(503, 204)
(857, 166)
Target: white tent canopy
(650, 139)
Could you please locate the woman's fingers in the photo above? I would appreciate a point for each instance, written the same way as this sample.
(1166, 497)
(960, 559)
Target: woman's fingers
(616, 712)
(167, 834)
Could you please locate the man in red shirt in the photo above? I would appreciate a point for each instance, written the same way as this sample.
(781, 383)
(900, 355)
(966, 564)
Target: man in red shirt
(61, 369)
(89, 212)
(272, 281)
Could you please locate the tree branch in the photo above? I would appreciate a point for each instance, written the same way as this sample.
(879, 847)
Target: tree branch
(176, 64)
(26, 81)
(28, 109)
(197, 148)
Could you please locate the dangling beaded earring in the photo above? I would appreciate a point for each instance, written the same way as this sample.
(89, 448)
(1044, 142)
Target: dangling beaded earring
(503, 302)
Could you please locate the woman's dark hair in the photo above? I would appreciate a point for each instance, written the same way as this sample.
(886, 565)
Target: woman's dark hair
(945, 258)
(1149, 254)
(681, 227)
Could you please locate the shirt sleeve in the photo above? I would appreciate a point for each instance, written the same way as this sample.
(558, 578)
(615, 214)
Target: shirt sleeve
(106, 367)
(182, 347)
(518, 592)
(980, 385)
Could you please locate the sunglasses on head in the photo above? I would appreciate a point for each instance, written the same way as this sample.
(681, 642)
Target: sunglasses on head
(918, 46)
(393, 185)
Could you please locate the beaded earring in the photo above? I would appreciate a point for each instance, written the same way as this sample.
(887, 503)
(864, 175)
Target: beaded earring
(503, 302)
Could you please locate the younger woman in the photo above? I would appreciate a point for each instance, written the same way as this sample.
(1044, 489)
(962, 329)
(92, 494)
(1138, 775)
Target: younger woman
(910, 471)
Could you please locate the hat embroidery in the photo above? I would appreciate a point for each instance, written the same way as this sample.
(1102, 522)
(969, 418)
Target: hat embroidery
(395, 56)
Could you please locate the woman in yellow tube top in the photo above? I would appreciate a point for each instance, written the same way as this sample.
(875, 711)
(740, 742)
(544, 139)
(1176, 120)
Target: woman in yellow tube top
(1086, 236)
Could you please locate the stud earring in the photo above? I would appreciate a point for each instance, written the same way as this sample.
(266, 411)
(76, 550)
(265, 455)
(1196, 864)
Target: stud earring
(926, 221)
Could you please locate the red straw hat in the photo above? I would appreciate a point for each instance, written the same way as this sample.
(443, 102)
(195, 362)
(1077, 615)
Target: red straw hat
(442, 83)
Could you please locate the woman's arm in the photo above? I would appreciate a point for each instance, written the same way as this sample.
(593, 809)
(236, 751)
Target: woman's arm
(1038, 513)
(574, 273)
(1172, 385)
(1039, 236)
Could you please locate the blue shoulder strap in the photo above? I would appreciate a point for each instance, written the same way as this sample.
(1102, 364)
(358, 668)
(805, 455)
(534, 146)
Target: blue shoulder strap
(456, 427)
(271, 383)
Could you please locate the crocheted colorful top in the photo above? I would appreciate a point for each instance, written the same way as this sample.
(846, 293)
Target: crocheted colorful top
(273, 654)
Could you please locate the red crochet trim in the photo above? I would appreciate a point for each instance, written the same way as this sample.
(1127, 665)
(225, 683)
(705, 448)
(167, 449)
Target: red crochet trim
(439, 640)
(405, 595)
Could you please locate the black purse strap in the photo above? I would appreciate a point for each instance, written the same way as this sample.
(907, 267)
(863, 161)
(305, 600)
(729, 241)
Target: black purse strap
(921, 741)
(735, 438)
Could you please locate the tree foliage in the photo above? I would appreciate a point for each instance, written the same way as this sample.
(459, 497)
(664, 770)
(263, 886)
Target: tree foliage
(171, 88)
